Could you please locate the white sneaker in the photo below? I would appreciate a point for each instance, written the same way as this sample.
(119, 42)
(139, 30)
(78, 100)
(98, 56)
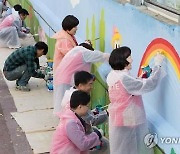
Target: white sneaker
(23, 88)
(17, 47)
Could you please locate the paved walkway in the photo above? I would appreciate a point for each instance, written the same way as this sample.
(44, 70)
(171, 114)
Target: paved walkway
(12, 138)
(31, 110)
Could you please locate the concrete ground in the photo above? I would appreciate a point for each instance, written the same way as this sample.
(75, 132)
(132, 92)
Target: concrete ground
(26, 119)
(12, 138)
(32, 111)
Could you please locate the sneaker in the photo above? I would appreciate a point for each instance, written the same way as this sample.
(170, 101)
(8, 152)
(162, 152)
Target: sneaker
(22, 88)
(14, 47)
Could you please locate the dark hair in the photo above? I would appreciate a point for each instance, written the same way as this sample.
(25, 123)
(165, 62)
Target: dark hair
(82, 77)
(41, 45)
(117, 59)
(17, 7)
(23, 12)
(79, 98)
(69, 22)
(87, 46)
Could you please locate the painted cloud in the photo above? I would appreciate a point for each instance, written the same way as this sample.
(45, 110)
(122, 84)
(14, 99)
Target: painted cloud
(74, 3)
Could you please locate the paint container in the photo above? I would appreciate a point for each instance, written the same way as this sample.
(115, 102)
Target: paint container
(50, 63)
(49, 85)
(146, 71)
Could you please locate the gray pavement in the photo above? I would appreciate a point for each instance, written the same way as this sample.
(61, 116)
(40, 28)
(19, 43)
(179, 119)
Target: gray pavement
(12, 138)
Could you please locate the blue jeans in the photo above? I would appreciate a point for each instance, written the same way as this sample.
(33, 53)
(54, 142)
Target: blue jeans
(20, 74)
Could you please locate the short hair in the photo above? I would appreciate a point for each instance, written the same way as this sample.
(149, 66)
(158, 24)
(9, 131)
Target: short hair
(23, 12)
(69, 22)
(79, 98)
(17, 7)
(82, 77)
(117, 59)
(41, 45)
(87, 46)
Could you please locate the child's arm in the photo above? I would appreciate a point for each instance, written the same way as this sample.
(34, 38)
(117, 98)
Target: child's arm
(79, 138)
(95, 119)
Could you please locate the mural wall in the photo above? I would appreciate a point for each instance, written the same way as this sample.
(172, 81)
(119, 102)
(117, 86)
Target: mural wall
(109, 24)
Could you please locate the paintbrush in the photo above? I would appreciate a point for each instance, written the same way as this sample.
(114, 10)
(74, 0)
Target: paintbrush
(104, 106)
(95, 39)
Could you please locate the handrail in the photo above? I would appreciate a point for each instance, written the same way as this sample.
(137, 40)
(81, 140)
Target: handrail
(39, 16)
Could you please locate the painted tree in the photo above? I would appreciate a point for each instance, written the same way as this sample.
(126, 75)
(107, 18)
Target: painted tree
(93, 28)
(102, 31)
(172, 151)
(87, 29)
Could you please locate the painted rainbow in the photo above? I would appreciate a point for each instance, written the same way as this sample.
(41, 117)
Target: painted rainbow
(163, 46)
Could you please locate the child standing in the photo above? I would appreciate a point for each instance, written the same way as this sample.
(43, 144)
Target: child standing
(127, 119)
(70, 136)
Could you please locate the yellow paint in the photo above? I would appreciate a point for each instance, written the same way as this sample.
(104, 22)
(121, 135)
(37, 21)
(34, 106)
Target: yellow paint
(168, 56)
(49, 60)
